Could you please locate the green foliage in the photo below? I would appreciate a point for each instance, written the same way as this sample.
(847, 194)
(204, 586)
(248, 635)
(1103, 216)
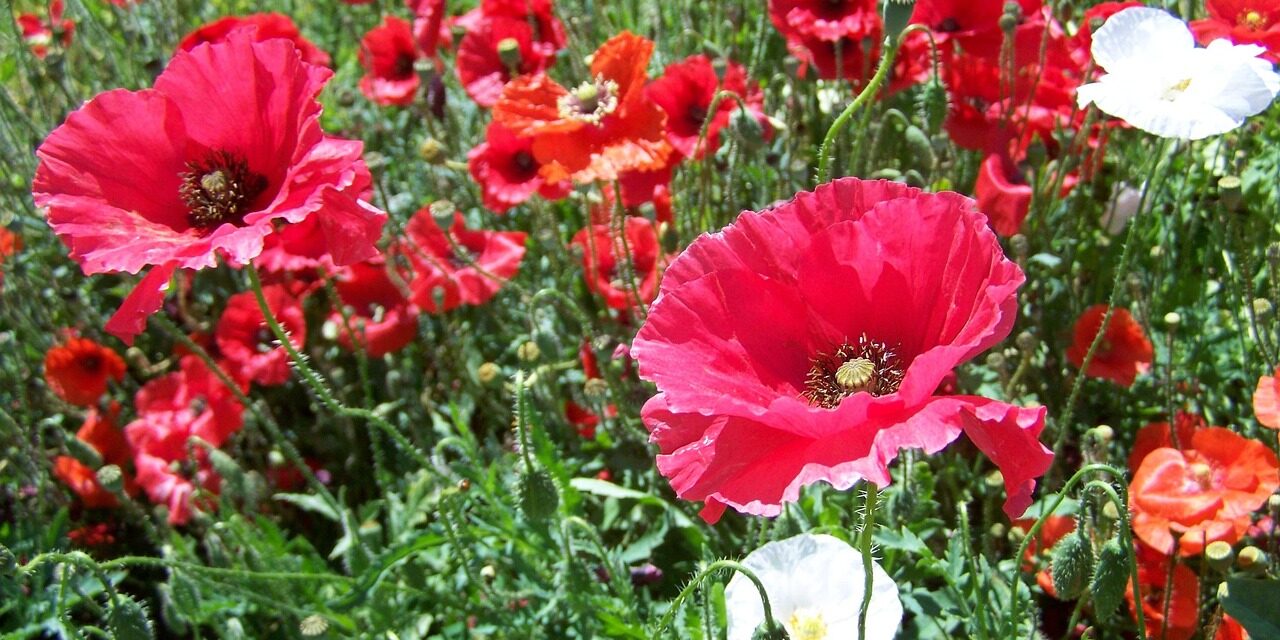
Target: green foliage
(1253, 603)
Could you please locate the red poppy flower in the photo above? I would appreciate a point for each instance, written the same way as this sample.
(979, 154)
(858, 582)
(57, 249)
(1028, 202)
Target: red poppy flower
(600, 247)
(215, 157)
(1055, 528)
(829, 20)
(78, 370)
(1003, 194)
(598, 130)
(686, 90)
(382, 319)
(975, 24)
(1156, 435)
(1266, 400)
(175, 485)
(10, 244)
(264, 26)
(388, 53)
(443, 280)
(429, 28)
(1203, 493)
(246, 341)
(497, 49)
(83, 481)
(508, 172)
(92, 536)
(1124, 352)
(100, 432)
(821, 329)
(1183, 599)
(39, 32)
(582, 419)
(1242, 22)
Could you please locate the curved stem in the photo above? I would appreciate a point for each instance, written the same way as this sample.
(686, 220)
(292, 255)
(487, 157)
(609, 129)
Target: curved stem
(670, 615)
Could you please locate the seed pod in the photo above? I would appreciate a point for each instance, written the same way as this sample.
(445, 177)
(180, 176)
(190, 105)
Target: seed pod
(1071, 563)
(765, 633)
(1109, 579)
(538, 495)
(128, 620)
(933, 105)
(1219, 555)
(111, 478)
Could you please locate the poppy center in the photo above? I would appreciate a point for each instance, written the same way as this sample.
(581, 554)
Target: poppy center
(219, 189)
(1252, 20)
(1176, 90)
(806, 625)
(591, 101)
(264, 340)
(949, 25)
(91, 362)
(1203, 476)
(866, 365)
(524, 162)
(697, 114)
(404, 65)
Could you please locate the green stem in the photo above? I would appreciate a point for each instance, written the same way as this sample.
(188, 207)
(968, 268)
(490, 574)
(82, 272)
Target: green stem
(670, 615)
(868, 564)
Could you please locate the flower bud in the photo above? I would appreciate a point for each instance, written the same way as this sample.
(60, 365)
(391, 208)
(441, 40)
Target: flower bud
(1220, 555)
(1071, 563)
(528, 351)
(1109, 579)
(128, 620)
(1102, 434)
(432, 151)
(933, 105)
(897, 14)
(84, 452)
(487, 372)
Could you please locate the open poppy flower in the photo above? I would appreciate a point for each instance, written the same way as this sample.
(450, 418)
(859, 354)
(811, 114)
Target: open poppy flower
(600, 129)
(600, 246)
(686, 90)
(247, 342)
(382, 319)
(39, 32)
(1156, 435)
(975, 24)
(1184, 499)
(508, 172)
(822, 329)
(264, 26)
(10, 244)
(78, 370)
(828, 20)
(100, 432)
(442, 279)
(388, 53)
(497, 50)
(1181, 619)
(1242, 22)
(1266, 400)
(429, 26)
(216, 157)
(1124, 352)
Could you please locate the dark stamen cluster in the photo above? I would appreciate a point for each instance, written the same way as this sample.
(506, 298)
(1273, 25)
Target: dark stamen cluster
(823, 388)
(219, 189)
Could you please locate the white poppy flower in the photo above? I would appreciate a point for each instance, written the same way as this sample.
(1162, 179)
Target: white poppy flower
(1159, 81)
(815, 586)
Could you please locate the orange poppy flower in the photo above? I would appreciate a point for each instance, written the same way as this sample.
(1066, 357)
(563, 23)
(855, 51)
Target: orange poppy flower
(598, 130)
(100, 432)
(1185, 499)
(1125, 350)
(1183, 596)
(78, 370)
(1266, 400)
(1156, 435)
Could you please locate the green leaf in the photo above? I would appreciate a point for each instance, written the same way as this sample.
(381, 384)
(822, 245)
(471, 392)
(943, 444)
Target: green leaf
(1253, 604)
(310, 502)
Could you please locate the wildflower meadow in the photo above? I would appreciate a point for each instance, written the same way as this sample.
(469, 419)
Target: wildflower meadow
(577, 319)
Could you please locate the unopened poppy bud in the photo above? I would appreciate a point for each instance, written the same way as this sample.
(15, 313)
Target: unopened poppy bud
(432, 151)
(313, 625)
(1262, 307)
(1008, 23)
(933, 105)
(1110, 578)
(1071, 563)
(747, 129)
(509, 53)
(1229, 192)
(1172, 319)
(897, 14)
(1026, 341)
(528, 351)
(111, 478)
(538, 495)
(595, 388)
(226, 466)
(1102, 434)
(1220, 555)
(995, 361)
(442, 211)
(84, 452)
(1021, 247)
(1252, 559)
(487, 372)
(764, 632)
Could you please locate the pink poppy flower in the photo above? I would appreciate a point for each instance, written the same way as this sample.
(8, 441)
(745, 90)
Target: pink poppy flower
(382, 319)
(264, 26)
(388, 52)
(507, 171)
(442, 279)
(205, 164)
(822, 330)
(246, 341)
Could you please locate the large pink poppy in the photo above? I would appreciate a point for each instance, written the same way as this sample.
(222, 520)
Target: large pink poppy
(225, 146)
(806, 343)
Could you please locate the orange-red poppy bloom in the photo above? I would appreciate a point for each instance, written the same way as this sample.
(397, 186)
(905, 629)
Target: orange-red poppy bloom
(78, 370)
(1125, 350)
(1185, 498)
(1266, 400)
(10, 243)
(100, 432)
(1170, 606)
(601, 128)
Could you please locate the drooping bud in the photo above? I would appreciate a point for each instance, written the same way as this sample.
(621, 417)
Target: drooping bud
(128, 620)
(1109, 579)
(1071, 564)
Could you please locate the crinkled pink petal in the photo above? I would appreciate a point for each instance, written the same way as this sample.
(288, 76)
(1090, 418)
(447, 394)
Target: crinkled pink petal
(145, 299)
(351, 227)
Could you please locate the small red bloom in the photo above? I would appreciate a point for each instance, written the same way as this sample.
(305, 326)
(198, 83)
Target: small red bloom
(264, 26)
(597, 131)
(1124, 352)
(207, 163)
(429, 28)
(1205, 492)
(83, 481)
(1183, 599)
(39, 33)
(10, 244)
(78, 370)
(382, 319)
(92, 536)
(1266, 400)
(1242, 22)
(686, 90)
(247, 342)
(821, 329)
(508, 172)
(388, 53)
(442, 279)
(829, 20)
(100, 432)
(497, 49)
(600, 247)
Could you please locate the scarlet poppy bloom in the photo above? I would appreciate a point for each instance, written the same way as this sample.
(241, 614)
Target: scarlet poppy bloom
(1242, 22)
(584, 420)
(686, 90)
(1183, 597)
(78, 370)
(429, 28)
(388, 53)
(216, 157)
(496, 50)
(598, 130)
(1266, 400)
(263, 26)
(1003, 194)
(247, 342)
(443, 280)
(829, 20)
(10, 244)
(83, 481)
(1205, 492)
(1124, 352)
(508, 172)
(1156, 435)
(822, 329)
(600, 247)
(100, 432)
(382, 319)
(39, 32)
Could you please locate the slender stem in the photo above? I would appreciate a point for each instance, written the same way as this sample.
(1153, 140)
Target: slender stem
(868, 564)
(670, 615)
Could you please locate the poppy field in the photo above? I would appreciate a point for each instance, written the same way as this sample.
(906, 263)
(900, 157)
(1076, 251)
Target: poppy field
(573, 319)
